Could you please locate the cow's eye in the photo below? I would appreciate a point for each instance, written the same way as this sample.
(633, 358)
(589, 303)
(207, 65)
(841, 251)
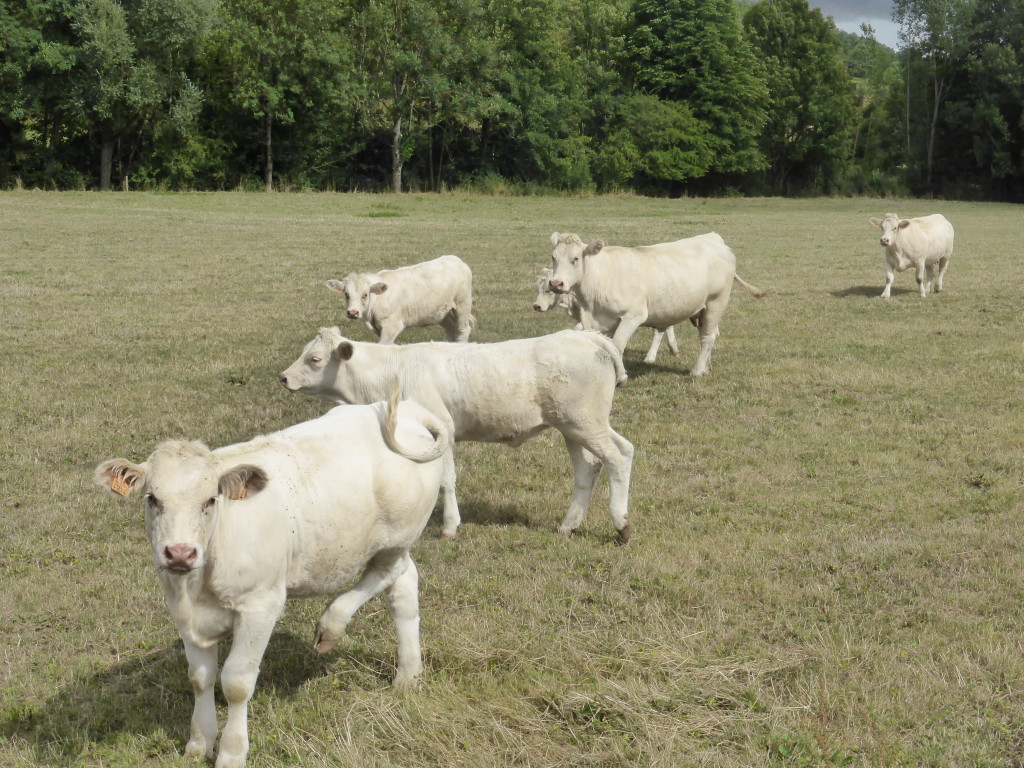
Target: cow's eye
(153, 501)
(365, 295)
(208, 504)
(315, 360)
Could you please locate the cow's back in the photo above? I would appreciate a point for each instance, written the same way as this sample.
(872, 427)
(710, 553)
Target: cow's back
(497, 392)
(673, 280)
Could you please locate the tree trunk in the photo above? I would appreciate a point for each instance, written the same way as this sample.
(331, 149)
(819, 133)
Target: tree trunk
(396, 157)
(106, 158)
(268, 167)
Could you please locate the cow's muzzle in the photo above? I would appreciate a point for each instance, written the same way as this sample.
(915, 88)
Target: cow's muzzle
(180, 558)
(557, 286)
(353, 314)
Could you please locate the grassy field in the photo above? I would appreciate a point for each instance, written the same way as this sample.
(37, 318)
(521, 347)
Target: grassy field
(825, 566)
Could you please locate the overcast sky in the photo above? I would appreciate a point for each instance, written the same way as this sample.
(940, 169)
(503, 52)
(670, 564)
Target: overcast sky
(850, 14)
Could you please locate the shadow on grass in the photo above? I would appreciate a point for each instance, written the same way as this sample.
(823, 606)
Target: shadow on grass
(480, 513)
(870, 291)
(150, 695)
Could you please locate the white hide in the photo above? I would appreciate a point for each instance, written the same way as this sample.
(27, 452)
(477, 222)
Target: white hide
(505, 392)
(437, 292)
(297, 513)
(548, 299)
(921, 243)
(620, 289)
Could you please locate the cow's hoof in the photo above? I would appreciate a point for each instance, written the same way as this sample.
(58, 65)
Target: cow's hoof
(196, 747)
(444, 536)
(326, 641)
(567, 532)
(623, 381)
(624, 533)
(405, 682)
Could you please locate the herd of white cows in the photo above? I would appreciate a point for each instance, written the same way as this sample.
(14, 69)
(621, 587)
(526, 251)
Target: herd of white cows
(302, 512)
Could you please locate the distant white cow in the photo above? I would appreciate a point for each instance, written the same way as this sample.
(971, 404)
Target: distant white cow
(546, 299)
(296, 513)
(505, 392)
(437, 292)
(920, 243)
(619, 289)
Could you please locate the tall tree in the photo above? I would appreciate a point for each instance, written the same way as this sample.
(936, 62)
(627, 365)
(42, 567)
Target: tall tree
(934, 30)
(693, 51)
(810, 105)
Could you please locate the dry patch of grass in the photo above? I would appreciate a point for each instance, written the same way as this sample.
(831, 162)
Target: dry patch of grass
(825, 568)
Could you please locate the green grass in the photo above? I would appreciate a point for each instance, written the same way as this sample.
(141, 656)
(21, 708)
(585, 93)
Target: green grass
(825, 567)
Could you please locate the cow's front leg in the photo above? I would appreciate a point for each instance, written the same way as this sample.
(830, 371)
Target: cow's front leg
(670, 337)
(890, 275)
(202, 673)
(390, 329)
(627, 327)
(404, 604)
(943, 263)
(922, 281)
(238, 681)
(383, 570)
(652, 353)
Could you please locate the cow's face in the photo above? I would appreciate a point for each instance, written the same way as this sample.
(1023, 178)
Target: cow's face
(546, 298)
(183, 487)
(317, 367)
(358, 292)
(890, 227)
(568, 260)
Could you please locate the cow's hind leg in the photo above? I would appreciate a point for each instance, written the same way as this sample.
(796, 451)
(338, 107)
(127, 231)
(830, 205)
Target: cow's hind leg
(618, 461)
(404, 604)
(380, 574)
(708, 333)
(652, 353)
(451, 517)
(943, 263)
(586, 468)
(457, 325)
(922, 283)
(670, 338)
(202, 673)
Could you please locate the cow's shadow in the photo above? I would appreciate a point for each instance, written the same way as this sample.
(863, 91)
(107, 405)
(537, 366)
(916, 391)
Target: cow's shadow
(870, 291)
(148, 696)
(488, 514)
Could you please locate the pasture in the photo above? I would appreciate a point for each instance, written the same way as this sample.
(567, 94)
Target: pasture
(826, 561)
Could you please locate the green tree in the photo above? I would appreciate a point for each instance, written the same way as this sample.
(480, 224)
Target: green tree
(693, 51)
(808, 133)
(272, 59)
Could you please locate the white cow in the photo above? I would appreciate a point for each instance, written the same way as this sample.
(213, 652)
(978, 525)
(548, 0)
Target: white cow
(619, 289)
(505, 392)
(437, 292)
(546, 299)
(296, 513)
(920, 243)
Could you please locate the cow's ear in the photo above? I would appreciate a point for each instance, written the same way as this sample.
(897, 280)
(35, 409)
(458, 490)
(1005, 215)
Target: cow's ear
(904, 223)
(338, 286)
(554, 239)
(378, 288)
(594, 248)
(120, 476)
(242, 481)
(876, 221)
(344, 350)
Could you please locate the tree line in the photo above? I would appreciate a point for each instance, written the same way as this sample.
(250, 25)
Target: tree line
(661, 97)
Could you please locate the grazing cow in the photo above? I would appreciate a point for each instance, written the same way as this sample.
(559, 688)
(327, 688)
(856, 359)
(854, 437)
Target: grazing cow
(546, 299)
(619, 289)
(437, 292)
(296, 513)
(920, 243)
(505, 392)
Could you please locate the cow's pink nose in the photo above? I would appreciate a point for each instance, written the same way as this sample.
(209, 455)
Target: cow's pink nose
(557, 286)
(537, 307)
(283, 378)
(180, 557)
(884, 241)
(353, 313)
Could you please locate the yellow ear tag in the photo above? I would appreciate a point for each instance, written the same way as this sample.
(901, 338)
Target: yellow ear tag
(241, 494)
(120, 486)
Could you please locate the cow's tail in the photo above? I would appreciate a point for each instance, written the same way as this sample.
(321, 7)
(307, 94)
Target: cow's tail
(621, 377)
(753, 290)
(427, 420)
